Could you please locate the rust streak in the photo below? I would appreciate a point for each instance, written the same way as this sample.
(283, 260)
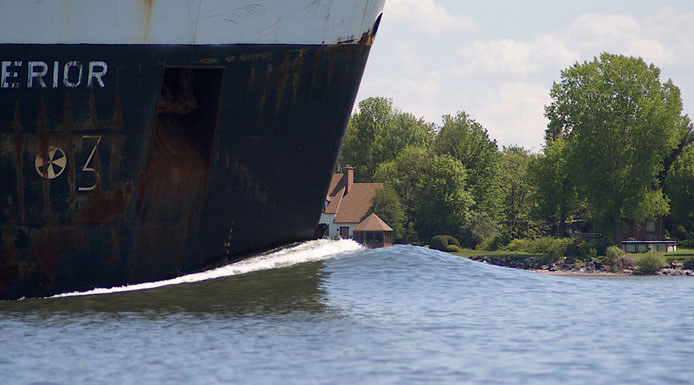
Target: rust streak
(298, 66)
(255, 57)
(253, 189)
(92, 111)
(117, 111)
(116, 142)
(251, 78)
(68, 113)
(17, 124)
(104, 207)
(43, 150)
(71, 171)
(19, 160)
(316, 66)
(9, 268)
(18, 152)
(148, 6)
(48, 247)
(283, 80)
(208, 61)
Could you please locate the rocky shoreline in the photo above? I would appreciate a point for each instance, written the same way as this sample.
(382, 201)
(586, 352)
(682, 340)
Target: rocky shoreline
(571, 266)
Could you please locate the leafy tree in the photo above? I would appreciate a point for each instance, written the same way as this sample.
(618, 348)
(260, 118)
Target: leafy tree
(377, 133)
(467, 141)
(402, 174)
(442, 202)
(516, 193)
(480, 227)
(620, 122)
(555, 197)
(386, 205)
(405, 130)
(680, 188)
(685, 135)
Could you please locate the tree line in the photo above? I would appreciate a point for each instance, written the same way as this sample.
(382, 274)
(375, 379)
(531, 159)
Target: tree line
(617, 149)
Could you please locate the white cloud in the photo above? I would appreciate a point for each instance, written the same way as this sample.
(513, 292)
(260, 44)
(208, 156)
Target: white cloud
(620, 34)
(428, 17)
(514, 114)
(675, 30)
(515, 58)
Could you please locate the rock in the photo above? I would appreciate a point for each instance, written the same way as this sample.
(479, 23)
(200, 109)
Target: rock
(590, 267)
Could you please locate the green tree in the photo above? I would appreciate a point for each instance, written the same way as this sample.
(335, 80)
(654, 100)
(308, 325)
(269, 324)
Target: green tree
(403, 172)
(620, 121)
(555, 197)
(442, 202)
(377, 133)
(467, 141)
(405, 130)
(386, 204)
(516, 192)
(685, 138)
(680, 188)
(480, 227)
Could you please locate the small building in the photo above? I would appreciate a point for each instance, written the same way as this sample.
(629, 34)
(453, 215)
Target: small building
(647, 236)
(348, 206)
(646, 246)
(651, 230)
(373, 232)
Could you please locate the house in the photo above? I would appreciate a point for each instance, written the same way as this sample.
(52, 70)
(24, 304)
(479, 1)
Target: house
(647, 236)
(348, 211)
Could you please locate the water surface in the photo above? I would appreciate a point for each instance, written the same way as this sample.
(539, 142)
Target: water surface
(330, 313)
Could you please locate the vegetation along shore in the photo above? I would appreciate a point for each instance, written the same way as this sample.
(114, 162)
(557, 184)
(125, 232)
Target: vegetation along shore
(617, 164)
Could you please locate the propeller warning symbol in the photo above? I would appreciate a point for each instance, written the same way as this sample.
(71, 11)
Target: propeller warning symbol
(53, 166)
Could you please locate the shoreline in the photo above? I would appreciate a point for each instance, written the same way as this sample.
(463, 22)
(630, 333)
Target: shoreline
(590, 268)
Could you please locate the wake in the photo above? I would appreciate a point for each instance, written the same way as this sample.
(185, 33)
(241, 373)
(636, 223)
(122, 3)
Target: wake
(311, 251)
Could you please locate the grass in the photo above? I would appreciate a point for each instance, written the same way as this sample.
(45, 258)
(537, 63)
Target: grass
(482, 253)
(679, 255)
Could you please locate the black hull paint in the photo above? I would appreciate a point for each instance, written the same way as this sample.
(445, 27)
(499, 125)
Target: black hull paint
(165, 159)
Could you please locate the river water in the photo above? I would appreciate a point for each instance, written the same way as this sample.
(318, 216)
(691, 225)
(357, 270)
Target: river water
(328, 312)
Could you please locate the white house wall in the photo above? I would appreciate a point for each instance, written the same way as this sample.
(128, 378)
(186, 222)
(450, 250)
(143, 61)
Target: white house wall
(334, 228)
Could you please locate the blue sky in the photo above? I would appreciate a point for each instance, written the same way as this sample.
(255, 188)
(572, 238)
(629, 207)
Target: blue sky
(496, 60)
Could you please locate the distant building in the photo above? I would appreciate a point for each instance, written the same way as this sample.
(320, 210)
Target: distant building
(348, 211)
(647, 236)
(651, 230)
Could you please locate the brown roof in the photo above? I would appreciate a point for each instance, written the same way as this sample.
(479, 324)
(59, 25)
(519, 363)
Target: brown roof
(355, 206)
(373, 223)
(337, 189)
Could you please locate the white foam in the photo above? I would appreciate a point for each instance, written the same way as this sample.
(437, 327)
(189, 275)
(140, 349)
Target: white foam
(311, 251)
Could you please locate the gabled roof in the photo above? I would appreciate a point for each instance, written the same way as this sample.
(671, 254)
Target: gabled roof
(335, 193)
(373, 223)
(355, 206)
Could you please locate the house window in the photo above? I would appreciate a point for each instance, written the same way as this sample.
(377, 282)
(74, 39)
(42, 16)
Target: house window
(344, 232)
(650, 227)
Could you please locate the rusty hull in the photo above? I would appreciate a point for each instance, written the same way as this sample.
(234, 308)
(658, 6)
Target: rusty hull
(186, 156)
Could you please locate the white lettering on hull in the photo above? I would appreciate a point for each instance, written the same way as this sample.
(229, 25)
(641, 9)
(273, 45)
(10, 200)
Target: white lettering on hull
(40, 74)
(9, 75)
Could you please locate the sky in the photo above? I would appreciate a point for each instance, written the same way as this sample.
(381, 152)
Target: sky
(497, 60)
